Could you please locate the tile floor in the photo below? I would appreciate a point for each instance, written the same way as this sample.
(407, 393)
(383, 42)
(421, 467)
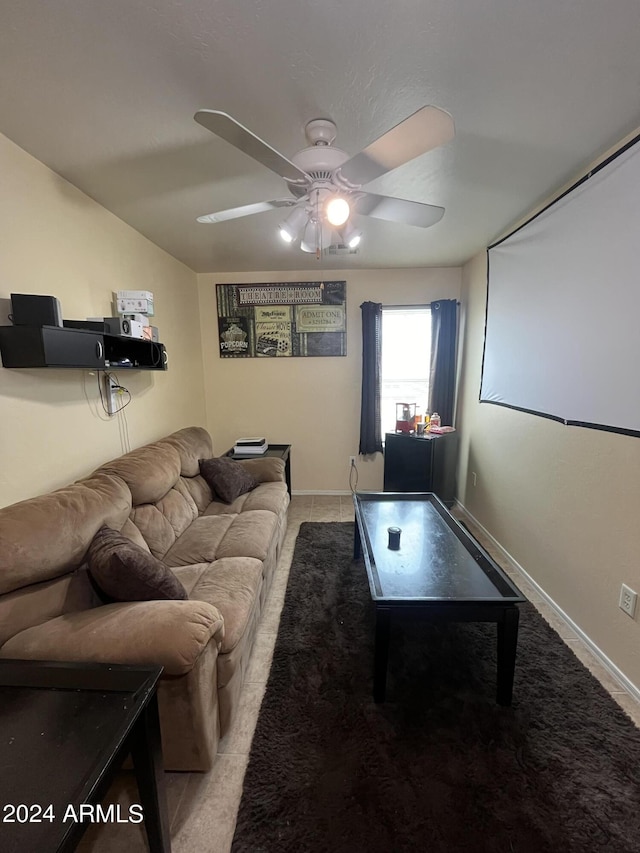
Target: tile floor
(203, 806)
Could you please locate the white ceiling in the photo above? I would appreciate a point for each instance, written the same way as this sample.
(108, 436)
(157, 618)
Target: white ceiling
(104, 92)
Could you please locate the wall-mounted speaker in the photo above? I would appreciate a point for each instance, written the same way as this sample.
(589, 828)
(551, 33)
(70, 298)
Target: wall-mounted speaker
(30, 310)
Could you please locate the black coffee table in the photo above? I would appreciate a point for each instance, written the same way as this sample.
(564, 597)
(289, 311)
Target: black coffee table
(439, 572)
(65, 728)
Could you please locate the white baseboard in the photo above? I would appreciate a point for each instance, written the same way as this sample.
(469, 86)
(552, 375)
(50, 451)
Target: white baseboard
(320, 492)
(608, 664)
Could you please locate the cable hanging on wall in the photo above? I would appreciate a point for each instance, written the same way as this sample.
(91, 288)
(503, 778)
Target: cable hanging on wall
(111, 394)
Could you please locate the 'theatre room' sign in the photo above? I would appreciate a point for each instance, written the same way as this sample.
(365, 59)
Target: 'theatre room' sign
(282, 320)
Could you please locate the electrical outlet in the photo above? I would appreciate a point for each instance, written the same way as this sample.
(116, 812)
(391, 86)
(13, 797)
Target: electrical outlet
(352, 461)
(110, 394)
(628, 600)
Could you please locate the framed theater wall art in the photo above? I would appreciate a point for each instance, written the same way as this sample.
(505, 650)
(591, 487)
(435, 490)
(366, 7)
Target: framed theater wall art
(282, 320)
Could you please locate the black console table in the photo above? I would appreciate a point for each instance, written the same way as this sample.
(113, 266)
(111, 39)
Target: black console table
(66, 728)
(416, 463)
(281, 451)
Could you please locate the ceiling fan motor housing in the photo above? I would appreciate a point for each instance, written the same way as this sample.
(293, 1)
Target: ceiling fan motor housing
(320, 163)
(320, 131)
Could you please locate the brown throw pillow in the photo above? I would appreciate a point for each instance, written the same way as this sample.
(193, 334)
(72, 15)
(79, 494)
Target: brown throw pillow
(227, 478)
(123, 571)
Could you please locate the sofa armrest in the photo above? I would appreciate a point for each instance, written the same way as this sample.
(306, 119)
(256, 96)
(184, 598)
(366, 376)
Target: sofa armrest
(267, 469)
(172, 634)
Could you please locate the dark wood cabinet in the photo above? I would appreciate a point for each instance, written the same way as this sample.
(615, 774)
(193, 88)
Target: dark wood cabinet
(421, 464)
(55, 346)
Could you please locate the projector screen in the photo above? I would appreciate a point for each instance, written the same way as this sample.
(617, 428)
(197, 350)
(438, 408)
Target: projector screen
(563, 305)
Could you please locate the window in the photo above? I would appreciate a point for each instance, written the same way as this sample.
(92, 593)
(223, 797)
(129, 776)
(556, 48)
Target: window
(406, 358)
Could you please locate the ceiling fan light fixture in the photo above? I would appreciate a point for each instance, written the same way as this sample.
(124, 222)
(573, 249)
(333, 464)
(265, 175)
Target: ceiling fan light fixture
(315, 236)
(291, 227)
(308, 237)
(351, 236)
(337, 211)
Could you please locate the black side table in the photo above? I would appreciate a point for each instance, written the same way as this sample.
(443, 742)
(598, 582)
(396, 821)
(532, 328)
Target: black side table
(281, 451)
(65, 729)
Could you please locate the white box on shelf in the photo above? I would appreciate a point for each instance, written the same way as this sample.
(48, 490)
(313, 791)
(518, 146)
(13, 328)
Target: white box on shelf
(134, 294)
(133, 302)
(134, 306)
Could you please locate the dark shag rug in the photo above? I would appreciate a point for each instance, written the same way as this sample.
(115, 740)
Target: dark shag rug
(439, 766)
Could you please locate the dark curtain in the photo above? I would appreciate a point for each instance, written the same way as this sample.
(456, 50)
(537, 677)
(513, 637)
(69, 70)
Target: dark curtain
(443, 359)
(370, 435)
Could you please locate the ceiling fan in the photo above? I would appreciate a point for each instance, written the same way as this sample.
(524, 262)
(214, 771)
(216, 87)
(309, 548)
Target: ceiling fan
(326, 184)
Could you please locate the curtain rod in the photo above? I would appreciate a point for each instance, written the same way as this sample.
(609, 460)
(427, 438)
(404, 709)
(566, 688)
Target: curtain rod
(420, 305)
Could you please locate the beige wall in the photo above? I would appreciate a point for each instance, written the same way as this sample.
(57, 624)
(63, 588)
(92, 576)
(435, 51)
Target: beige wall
(55, 240)
(563, 501)
(311, 403)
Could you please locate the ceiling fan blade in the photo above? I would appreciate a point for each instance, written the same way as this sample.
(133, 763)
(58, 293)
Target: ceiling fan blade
(240, 137)
(426, 129)
(399, 210)
(247, 210)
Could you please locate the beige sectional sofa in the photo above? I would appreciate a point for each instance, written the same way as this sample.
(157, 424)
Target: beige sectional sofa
(224, 555)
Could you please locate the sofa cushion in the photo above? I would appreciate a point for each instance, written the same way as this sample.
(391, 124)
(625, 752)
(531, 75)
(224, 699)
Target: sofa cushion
(123, 571)
(217, 507)
(227, 478)
(199, 491)
(200, 541)
(35, 604)
(149, 471)
(132, 532)
(172, 634)
(250, 535)
(266, 469)
(233, 586)
(271, 496)
(47, 536)
(190, 575)
(155, 528)
(192, 444)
